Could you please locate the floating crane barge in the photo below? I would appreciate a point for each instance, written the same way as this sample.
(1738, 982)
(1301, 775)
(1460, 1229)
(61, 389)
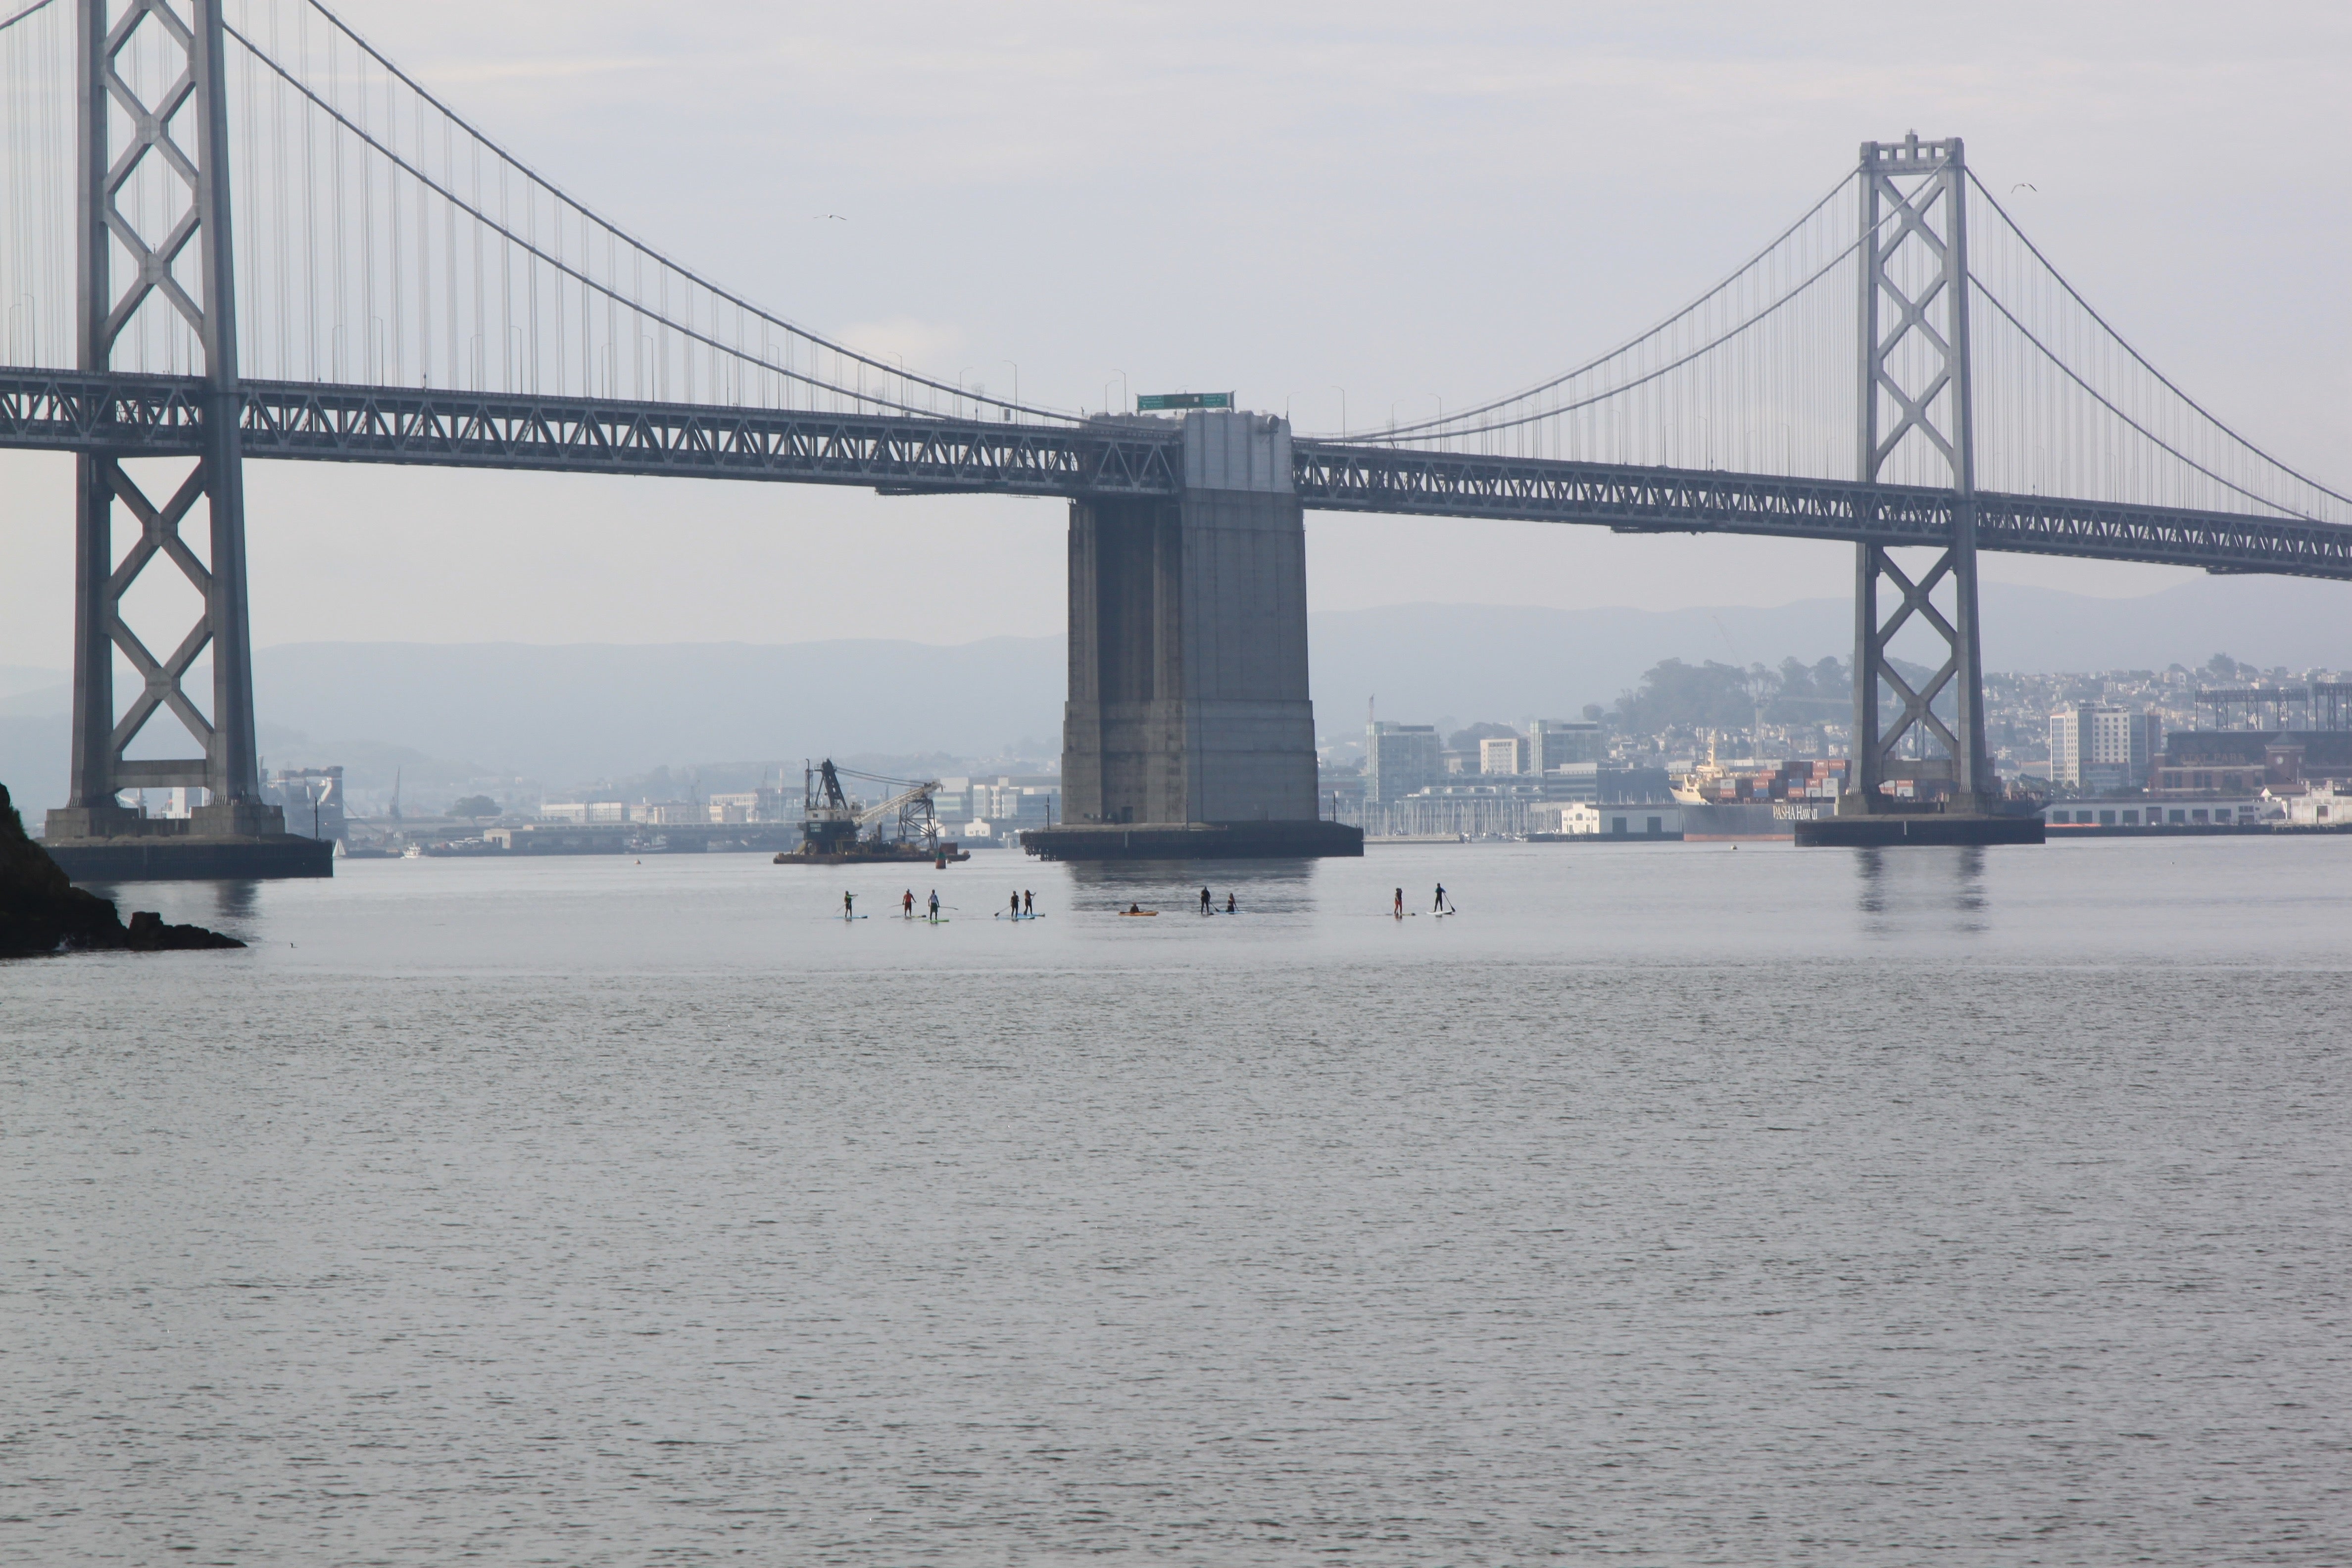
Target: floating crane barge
(834, 829)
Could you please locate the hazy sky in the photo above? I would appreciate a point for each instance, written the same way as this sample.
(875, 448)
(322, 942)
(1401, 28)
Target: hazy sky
(1407, 202)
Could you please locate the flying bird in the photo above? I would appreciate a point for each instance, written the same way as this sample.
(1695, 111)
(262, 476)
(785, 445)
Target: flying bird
(2021, 186)
(820, 217)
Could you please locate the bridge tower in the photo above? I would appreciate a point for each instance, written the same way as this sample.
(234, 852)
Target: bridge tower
(1914, 340)
(1189, 732)
(185, 129)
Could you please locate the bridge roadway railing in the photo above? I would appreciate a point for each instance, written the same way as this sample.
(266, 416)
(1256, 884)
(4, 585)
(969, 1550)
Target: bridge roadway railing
(131, 415)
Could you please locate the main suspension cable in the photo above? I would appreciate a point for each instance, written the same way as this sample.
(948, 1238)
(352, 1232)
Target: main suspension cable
(36, 5)
(880, 367)
(2124, 343)
(1446, 422)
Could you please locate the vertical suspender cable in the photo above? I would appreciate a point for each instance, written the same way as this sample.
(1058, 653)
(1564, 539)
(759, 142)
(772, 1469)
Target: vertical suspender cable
(335, 143)
(394, 372)
(452, 368)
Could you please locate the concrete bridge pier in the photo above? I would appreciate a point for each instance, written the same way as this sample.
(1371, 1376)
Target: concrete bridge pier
(1189, 732)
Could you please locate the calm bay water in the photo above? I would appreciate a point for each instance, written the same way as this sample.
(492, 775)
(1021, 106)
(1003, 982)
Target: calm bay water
(1673, 1204)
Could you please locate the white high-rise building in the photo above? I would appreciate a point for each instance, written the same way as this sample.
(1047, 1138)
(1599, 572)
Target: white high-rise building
(2099, 747)
(1503, 754)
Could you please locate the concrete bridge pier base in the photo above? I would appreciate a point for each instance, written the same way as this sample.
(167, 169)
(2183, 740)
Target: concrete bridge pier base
(1189, 732)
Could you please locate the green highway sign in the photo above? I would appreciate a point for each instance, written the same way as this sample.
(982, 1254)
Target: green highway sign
(1152, 402)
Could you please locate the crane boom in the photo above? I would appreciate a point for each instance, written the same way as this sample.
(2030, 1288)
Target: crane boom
(921, 791)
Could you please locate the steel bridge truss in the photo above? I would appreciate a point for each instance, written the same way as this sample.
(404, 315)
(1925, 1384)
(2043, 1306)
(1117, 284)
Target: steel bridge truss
(1335, 476)
(126, 417)
(135, 415)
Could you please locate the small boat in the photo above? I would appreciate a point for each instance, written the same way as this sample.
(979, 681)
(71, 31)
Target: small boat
(414, 852)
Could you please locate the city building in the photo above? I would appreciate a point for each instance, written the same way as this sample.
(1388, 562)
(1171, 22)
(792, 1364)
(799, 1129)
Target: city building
(1399, 760)
(1606, 784)
(2329, 807)
(756, 805)
(1504, 754)
(584, 811)
(2201, 764)
(2240, 812)
(1579, 819)
(2102, 748)
(985, 812)
(1551, 744)
(312, 798)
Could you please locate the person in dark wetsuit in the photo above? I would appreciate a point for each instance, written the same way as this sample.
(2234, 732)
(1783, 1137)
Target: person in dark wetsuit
(1028, 902)
(1438, 907)
(1204, 902)
(847, 905)
(1016, 906)
(1229, 903)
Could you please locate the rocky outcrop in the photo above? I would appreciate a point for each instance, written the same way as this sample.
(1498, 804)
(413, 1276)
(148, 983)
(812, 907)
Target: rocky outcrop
(41, 911)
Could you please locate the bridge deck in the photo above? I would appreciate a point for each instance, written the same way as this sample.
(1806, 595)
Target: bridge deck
(164, 415)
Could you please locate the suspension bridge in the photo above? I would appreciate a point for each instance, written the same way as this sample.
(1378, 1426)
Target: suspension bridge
(237, 230)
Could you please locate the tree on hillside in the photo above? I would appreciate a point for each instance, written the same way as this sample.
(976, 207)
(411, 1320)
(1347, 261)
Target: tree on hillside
(1677, 696)
(1467, 740)
(475, 805)
(1811, 694)
(1711, 696)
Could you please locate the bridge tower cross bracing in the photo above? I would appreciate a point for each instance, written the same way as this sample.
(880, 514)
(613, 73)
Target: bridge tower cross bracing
(159, 123)
(1914, 343)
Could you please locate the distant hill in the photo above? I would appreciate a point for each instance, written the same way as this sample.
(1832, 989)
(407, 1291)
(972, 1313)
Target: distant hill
(567, 714)
(1467, 661)
(570, 715)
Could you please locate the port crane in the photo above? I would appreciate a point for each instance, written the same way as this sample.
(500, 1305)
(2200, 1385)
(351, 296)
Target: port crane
(833, 826)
